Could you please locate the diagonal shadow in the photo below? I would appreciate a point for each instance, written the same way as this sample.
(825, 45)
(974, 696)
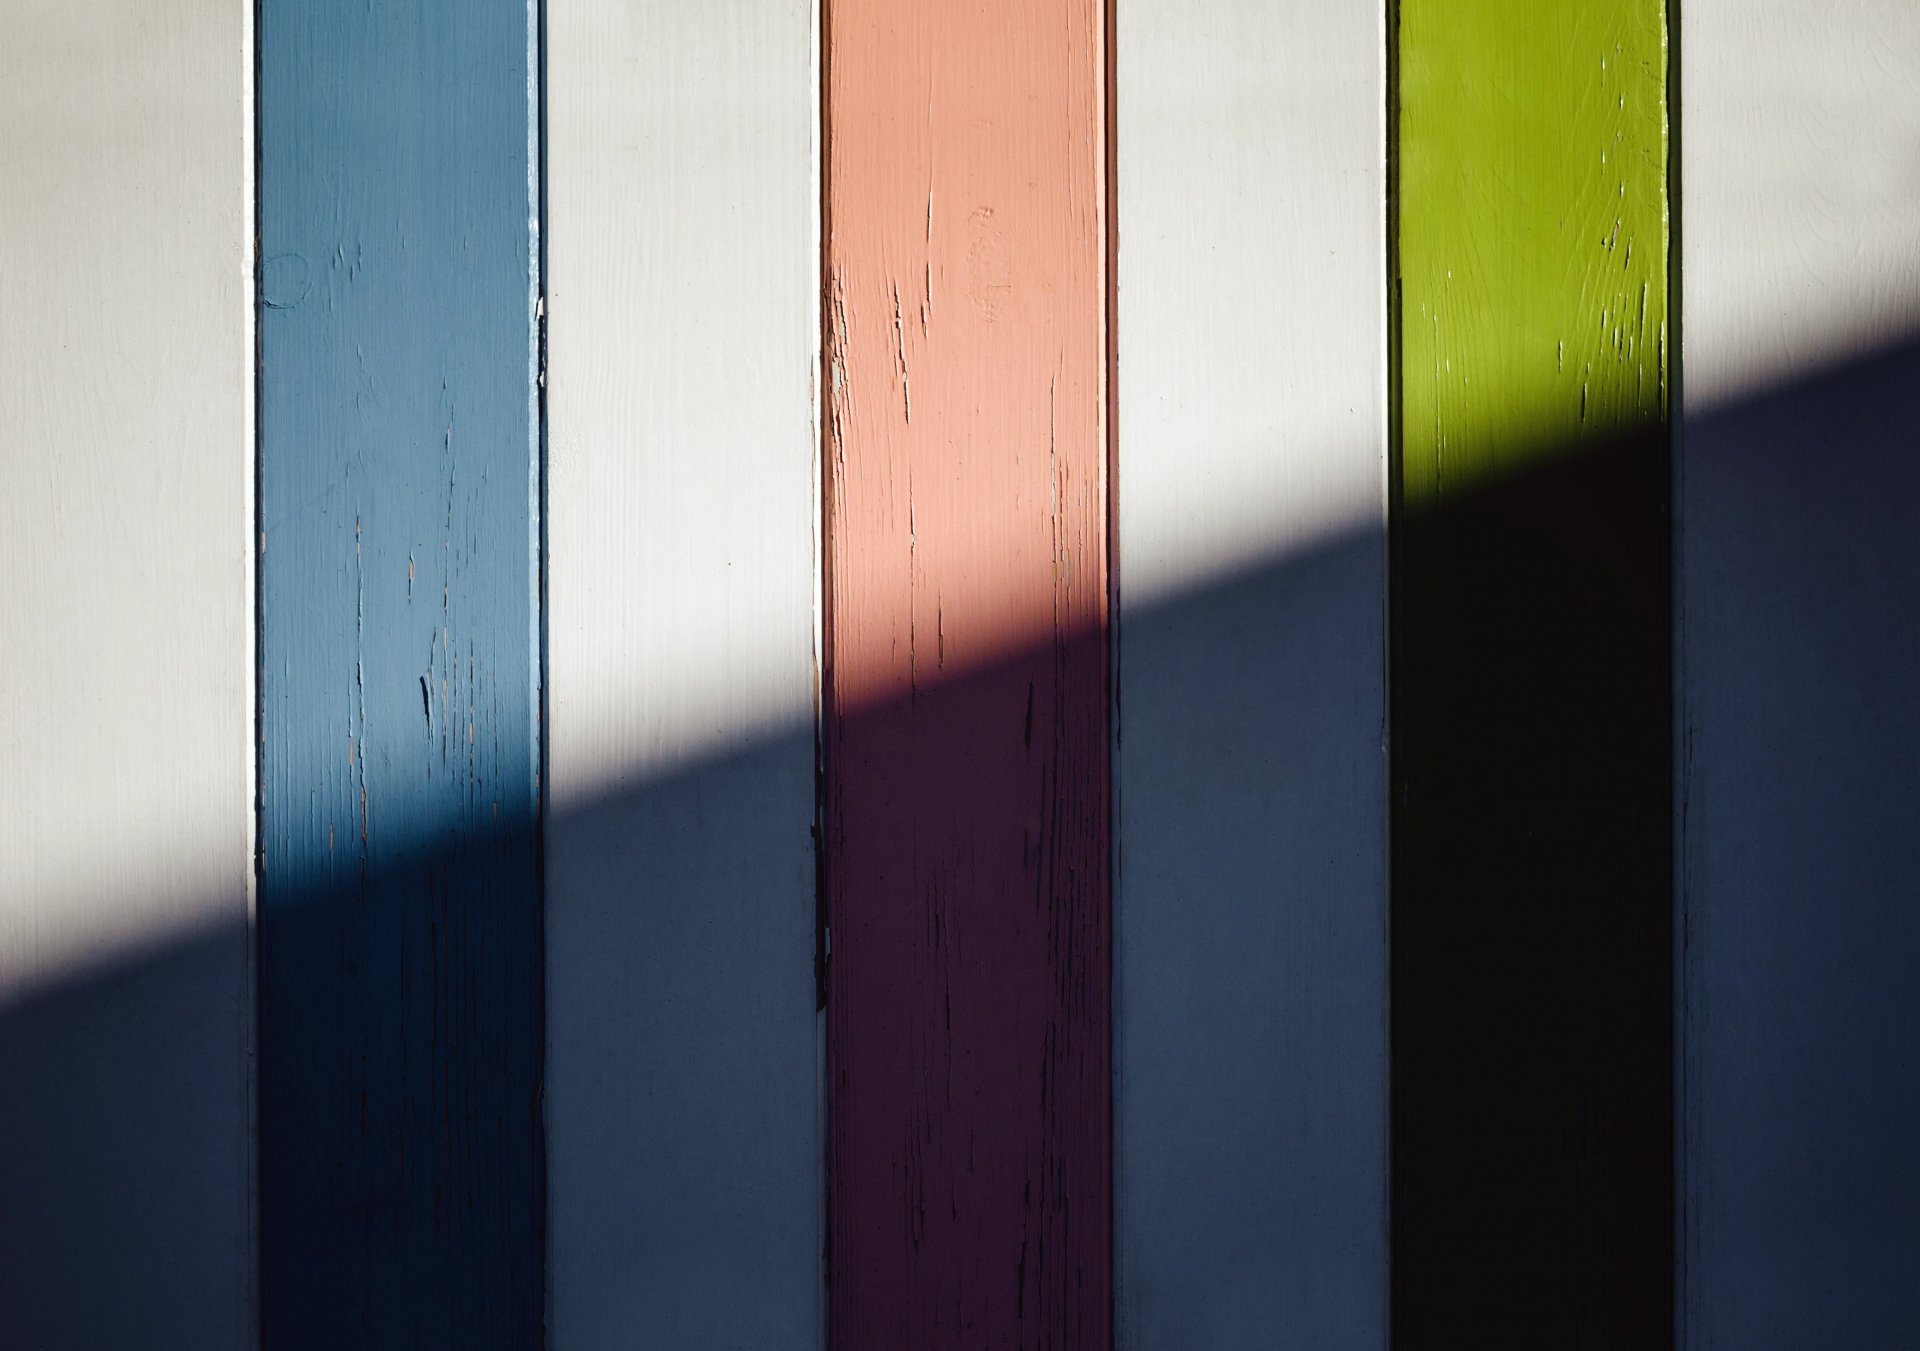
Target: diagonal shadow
(1529, 954)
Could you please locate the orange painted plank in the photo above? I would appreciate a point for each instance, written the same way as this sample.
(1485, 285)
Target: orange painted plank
(966, 731)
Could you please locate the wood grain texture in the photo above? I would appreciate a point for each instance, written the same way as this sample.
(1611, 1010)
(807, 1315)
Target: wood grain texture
(1798, 501)
(966, 731)
(1532, 232)
(683, 325)
(1798, 169)
(1532, 1085)
(125, 675)
(400, 937)
(1250, 1039)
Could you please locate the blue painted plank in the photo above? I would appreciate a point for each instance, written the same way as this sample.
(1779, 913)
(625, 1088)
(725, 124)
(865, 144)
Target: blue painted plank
(400, 952)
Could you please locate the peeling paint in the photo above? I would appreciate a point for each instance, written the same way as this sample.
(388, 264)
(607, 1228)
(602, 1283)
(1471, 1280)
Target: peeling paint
(400, 1013)
(1531, 675)
(966, 709)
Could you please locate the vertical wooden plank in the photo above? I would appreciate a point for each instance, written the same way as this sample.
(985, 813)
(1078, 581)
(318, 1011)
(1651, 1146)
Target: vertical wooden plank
(683, 327)
(1799, 635)
(125, 675)
(966, 714)
(1250, 1067)
(1531, 862)
(400, 942)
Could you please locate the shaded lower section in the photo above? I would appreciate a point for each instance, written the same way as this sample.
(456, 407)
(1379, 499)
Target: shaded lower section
(966, 841)
(682, 1069)
(1800, 633)
(1532, 1068)
(400, 1173)
(125, 1151)
(1250, 1003)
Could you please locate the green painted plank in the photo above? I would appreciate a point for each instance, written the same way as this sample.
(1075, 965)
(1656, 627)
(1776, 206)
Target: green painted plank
(1532, 231)
(1532, 911)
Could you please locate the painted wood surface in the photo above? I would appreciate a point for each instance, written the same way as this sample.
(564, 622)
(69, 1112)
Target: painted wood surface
(1798, 498)
(1531, 833)
(400, 942)
(683, 324)
(965, 813)
(126, 675)
(1250, 1070)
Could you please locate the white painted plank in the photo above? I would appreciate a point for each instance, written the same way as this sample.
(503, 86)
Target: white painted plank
(1798, 502)
(1250, 1025)
(126, 673)
(683, 1143)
